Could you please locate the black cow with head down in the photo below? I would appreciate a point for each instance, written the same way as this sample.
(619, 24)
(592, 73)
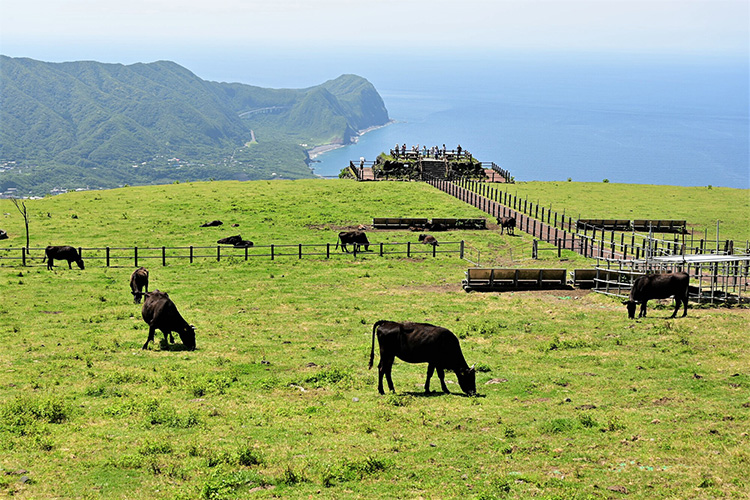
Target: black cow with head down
(428, 239)
(659, 286)
(139, 284)
(354, 238)
(507, 223)
(160, 312)
(62, 253)
(421, 343)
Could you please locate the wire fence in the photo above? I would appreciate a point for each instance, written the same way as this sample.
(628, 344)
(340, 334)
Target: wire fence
(136, 256)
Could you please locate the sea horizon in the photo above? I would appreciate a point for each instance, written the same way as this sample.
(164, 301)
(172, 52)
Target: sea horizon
(654, 122)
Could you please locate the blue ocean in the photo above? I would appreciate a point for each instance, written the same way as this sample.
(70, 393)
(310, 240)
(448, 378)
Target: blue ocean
(631, 120)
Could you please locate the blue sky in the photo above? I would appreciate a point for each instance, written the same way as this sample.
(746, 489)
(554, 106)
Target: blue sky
(140, 29)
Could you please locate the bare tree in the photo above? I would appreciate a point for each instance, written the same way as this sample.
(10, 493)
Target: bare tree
(21, 206)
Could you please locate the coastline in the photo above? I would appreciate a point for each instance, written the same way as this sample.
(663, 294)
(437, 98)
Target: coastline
(324, 148)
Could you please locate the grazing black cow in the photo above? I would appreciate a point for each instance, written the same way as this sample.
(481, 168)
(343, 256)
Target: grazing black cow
(421, 343)
(507, 223)
(659, 286)
(3, 235)
(62, 253)
(354, 238)
(139, 284)
(428, 239)
(160, 312)
(213, 223)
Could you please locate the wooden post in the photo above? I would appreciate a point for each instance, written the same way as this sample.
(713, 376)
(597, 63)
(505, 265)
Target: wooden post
(135, 255)
(163, 256)
(272, 256)
(23, 256)
(218, 253)
(300, 250)
(191, 254)
(328, 250)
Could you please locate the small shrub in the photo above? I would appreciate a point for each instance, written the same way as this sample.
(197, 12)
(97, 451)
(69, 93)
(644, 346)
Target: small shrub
(248, 457)
(559, 425)
(588, 421)
(23, 410)
(149, 448)
(292, 477)
(328, 377)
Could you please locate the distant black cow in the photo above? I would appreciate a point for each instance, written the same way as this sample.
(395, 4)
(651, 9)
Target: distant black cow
(62, 253)
(236, 241)
(421, 343)
(160, 312)
(428, 239)
(230, 240)
(354, 238)
(139, 284)
(659, 286)
(3, 235)
(213, 223)
(507, 223)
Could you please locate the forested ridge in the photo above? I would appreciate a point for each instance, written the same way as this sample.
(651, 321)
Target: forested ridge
(92, 125)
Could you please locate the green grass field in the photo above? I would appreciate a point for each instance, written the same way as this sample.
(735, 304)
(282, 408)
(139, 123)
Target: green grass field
(576, 401)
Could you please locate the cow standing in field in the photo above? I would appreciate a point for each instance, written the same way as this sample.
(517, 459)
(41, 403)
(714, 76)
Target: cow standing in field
(428, 239)
(354, 238)
(160, 312)
(139, 284)
(421, 343)
(659, 286)
(62, 253)
(507, 223)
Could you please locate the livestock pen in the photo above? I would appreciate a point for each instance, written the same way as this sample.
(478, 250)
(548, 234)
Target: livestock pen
(715, 279)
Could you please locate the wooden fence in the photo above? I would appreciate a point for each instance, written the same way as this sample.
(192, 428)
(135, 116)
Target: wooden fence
(136, 256)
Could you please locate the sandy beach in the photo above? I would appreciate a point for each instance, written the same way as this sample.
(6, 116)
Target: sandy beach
(319, 150)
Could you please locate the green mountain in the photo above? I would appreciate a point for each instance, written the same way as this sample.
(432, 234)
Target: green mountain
(93, 125)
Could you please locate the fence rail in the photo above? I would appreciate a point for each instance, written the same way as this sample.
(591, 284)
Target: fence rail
(127, 256)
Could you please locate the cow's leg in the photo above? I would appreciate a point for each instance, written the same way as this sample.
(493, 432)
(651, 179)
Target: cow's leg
(642, 314)
(684, 301)
(384, 368)
(441, 376)
(70, 264)
(430, 370)
(677, 304)
(151, 331)
(50, 263)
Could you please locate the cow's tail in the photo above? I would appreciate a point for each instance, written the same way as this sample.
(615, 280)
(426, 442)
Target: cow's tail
(337, 242)
(372, 348)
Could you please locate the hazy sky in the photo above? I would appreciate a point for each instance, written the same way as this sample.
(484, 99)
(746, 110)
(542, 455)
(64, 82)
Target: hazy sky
(87, 29)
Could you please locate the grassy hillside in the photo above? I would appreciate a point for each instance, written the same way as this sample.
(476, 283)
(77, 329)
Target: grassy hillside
(85, 124)
(576, 400)
(701, 207)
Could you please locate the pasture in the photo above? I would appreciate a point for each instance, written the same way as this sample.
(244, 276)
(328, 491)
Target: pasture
(576, 401)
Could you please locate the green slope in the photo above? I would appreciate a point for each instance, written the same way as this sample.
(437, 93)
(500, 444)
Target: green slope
(93, 125)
